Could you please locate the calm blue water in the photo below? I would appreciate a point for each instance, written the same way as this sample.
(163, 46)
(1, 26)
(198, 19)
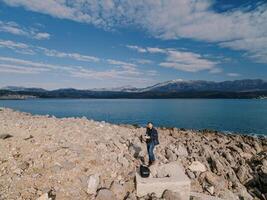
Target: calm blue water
(243, 116)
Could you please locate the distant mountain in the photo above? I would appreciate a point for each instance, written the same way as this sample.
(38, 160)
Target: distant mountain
(16, 89)
(247, 88)
(246, 85)
(126, 88)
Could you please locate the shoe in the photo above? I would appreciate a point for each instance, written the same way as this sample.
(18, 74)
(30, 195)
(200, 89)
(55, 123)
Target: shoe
(152, 163)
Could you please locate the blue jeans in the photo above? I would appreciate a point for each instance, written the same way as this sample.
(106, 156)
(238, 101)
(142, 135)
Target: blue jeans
(150, 149)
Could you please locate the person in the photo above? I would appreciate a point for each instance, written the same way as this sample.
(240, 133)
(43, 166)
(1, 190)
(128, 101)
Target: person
(151, 141)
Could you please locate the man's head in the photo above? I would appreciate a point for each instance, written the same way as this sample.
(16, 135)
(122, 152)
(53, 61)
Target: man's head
(149, 125)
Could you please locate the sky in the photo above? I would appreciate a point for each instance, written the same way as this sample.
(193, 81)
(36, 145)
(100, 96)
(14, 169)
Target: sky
(113, 43)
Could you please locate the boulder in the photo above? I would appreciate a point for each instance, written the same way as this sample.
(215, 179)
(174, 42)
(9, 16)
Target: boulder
(105, 194)
(171, 195)
(181, 150)
(210, 189)
(242, 173)
(227, 194)
(170, 155)
(44, 197)
(122, 160)
(118, 190)
(92, 183)
(197, 166)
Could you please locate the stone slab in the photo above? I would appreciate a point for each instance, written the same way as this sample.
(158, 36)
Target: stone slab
(176, 181)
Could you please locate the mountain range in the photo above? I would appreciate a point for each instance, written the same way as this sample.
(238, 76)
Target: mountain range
(247, 88)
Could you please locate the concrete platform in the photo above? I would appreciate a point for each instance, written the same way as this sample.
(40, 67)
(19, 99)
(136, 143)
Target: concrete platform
(167, 177)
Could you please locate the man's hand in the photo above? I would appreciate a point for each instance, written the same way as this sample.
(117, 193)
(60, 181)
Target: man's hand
(147, 137)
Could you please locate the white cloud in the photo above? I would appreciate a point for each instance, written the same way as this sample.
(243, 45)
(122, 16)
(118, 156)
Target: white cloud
(183, 60)
(256, 47)
(233, 74)
(187, 61)
(28, 63)
(169, 19)
(122, 68)
(120, 74)
(216, 71)
(75, 56)
(16, 46)
(143, 61)
(118, 62)
(15, 29)
(42, 36)
(137, 48)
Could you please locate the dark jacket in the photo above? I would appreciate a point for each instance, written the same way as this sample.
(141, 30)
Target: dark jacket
(153, 134)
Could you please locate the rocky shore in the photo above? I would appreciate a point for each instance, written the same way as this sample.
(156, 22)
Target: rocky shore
(43, 157)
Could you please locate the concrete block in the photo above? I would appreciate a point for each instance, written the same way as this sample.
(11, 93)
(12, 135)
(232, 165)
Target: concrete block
(169, 177)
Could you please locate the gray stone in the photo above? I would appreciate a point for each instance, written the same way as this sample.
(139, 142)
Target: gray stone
(197, 166)
(105, 194)
(227, 194)
(170, 155)
(92, 183)
(181, 150)
(242, 173)
(118, 190)
(170, 195)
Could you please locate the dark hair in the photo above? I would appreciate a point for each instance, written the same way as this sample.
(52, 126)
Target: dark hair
(149, 123)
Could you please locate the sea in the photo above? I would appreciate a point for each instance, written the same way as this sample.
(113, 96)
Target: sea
(242, 116)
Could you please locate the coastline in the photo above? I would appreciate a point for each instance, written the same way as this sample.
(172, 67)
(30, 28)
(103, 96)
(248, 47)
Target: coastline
(47, 154)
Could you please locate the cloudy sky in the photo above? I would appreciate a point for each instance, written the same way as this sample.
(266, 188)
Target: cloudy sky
(111, 43)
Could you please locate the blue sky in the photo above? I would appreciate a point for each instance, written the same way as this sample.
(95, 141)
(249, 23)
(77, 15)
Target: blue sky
(112, 43)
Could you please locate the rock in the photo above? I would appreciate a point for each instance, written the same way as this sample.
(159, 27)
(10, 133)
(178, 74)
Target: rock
(122, 160)
(105, 194)
(197, 166)
(242, 173)
(5, 136)
(50, 195)
(210, 189)
(211, 178)
(170, 155)
(44, 197)
(118, 190)
(229, 158)
(181, 150)
(92, 184)
(135, 149)
(257, 147)
(227, 194)
(216, 165)
(131, 196)
(171, 195)
(190, 174)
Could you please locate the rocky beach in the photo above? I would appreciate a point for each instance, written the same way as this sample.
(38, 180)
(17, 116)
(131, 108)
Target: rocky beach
(44, 157)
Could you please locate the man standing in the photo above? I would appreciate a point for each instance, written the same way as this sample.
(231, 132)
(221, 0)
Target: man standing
(151, 141)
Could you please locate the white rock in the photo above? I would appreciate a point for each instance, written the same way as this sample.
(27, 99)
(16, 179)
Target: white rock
(44, 197)
(181, 151)
(197, 166)
(92, 184)
(210, 189)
